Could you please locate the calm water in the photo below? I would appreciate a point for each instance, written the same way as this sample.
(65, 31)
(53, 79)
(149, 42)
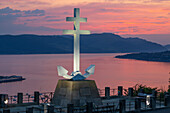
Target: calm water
(41, 75)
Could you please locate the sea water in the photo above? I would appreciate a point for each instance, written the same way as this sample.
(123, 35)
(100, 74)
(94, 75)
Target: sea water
(41, 73)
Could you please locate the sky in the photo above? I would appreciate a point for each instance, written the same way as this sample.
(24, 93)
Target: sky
(148, 19)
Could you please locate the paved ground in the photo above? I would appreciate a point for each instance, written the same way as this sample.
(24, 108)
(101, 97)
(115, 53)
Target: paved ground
(166, 110)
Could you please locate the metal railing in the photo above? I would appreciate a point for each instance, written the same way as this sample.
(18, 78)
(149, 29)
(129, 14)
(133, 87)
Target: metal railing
(44, 97)
(130, 103)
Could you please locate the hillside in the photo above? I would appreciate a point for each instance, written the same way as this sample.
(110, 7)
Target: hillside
(94, 43)
(158, 56)
(167, 46)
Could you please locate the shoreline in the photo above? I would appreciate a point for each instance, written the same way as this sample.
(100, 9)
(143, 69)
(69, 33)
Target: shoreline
(153, 57)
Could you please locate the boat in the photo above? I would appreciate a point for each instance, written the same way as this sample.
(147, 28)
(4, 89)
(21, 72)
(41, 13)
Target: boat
(13, 78)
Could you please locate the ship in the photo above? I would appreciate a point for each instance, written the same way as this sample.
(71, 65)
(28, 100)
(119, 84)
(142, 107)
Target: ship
(13, 78)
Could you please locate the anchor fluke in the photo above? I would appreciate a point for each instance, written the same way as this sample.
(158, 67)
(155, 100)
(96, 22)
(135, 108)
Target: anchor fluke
(63, 72)
(89, 71)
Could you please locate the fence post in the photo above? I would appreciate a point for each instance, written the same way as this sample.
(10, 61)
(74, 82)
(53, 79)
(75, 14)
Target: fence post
(107, 92)
(89, 108)
(6, 111)
(45, 108)
(29, 110)
(153, 102)
(137, 104)
(3, 100)
(154, 93)
(130, 92)
(70, 108)
(167, 101)
(50, 109)
(122, 106)
(120, 90)
(20, 98)
(36, 97)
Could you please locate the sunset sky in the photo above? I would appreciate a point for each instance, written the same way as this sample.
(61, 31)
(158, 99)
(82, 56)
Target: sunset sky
(149, 19)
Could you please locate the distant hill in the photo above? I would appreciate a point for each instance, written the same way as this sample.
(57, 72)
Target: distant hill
(94, 43)
(158, 56)
(167, 46)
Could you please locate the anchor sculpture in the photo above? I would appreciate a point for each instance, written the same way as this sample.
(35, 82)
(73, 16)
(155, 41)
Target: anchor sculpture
(76, 74)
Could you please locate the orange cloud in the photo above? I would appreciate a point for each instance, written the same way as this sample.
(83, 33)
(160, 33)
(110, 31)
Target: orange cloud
(116, 16)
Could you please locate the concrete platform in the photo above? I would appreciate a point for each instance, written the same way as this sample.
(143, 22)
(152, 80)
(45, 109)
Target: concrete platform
(76, 92)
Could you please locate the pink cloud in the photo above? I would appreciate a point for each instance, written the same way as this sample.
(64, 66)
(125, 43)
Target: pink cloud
(122, 18)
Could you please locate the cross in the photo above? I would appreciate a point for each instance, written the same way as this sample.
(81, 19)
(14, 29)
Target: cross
(76, 32)
(76, 74)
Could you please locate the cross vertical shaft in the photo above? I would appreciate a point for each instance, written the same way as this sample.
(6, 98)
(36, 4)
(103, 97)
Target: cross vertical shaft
(76, 41)
(76, 32)
(76, 53)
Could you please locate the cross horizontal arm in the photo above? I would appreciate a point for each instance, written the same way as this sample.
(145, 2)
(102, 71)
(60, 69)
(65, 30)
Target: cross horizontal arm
(84, 31)
(76, 31)
(69, 31)
(70, 19)
(83, 20)
(75, 18)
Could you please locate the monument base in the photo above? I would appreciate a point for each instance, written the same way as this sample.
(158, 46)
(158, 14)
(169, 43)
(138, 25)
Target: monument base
(76, 92)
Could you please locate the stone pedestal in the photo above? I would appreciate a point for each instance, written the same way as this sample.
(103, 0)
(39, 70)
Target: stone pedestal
(76, 92)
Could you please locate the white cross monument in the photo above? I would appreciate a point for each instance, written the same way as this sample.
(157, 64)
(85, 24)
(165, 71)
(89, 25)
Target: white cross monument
(76, 74)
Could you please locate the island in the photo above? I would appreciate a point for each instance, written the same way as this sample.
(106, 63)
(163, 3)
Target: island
(13, 78)
(157, 56)
(63, 44)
